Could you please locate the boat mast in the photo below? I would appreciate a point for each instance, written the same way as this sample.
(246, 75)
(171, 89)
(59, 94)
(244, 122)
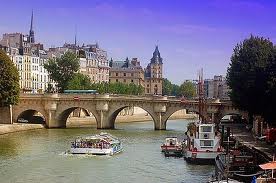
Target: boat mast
(201, 101)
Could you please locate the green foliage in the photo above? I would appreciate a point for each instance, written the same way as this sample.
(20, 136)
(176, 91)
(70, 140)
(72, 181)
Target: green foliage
(118, 88)
(251, 76)
(187, 89)
(9, 81)
(62, 69)
(169, 88)
(79, 82)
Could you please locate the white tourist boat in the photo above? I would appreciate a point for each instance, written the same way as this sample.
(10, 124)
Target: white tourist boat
(202, 144)
(172, 147)
(101, 144)
(203, 141)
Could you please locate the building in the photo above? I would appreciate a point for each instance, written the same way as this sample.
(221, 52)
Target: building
(29, 58)
(92, 59)
(154, 74)
(126, 72)
(223, 91)
(97, 63)
(216, 88)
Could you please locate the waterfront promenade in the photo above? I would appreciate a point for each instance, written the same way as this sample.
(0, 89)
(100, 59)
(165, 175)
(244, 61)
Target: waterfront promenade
(17, 127)
(245, 137)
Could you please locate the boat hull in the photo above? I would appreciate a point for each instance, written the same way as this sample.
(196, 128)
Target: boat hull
(172, 150)
(200, 157)
(95, 151)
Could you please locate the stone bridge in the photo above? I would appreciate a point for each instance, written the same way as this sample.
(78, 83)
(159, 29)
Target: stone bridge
(57, 107)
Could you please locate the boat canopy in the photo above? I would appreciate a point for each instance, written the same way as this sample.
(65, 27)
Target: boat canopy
(102, 137)
(269, 166)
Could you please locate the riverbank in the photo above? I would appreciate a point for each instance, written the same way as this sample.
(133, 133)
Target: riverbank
(11, 128)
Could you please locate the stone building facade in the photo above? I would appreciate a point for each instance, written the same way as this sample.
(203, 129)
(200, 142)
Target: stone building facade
(216, 88)
(126, 72)
(151, 78)
(92, 59)
(29, 59)
(154, 74)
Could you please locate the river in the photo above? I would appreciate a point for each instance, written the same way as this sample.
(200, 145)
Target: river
(38, 156)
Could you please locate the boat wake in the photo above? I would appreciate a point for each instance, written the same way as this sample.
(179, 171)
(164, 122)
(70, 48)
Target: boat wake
(68, 154)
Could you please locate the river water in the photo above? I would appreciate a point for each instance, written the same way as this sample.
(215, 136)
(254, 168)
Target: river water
(38, 157)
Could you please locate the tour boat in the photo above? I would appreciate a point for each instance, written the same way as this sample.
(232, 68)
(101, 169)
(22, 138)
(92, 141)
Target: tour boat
(202, 144)
(172, 147)
(100, 144)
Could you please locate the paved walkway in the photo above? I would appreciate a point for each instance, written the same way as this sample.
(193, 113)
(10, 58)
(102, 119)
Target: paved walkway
(16, 127)
(245, 137)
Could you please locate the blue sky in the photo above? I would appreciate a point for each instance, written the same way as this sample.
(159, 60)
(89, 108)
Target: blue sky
(191, 34)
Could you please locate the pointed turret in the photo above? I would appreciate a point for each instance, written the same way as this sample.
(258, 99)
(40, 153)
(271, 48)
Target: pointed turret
(127, 62)
(31, 33)
(111, 62)
(156, 58)
(75, 42)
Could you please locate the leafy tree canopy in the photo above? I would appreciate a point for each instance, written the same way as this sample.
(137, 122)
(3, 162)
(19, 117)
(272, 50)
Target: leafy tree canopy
(9, 81)
(170, 89)
(187, 89)
(62, 69)
(249, 74)
(79, 82)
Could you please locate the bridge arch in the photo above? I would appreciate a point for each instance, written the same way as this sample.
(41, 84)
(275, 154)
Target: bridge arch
(115, 110)
(173, 109)
(64, 112)
(30, 115)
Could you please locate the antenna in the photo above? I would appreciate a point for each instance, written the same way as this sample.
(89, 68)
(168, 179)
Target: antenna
(75, 35)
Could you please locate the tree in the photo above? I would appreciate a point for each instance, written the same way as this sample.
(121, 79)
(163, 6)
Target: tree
(79, 82)
(187, 89)
(167, 87)
(9, 81)
(175, 90)
(270, 95)
(62, 69)
(248, 74)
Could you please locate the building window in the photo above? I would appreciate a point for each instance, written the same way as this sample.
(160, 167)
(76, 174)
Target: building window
(132, 74)
(147, 85)
(116, 74)
(124, 80)
(124, 74)
(132, 80)
(116, 80)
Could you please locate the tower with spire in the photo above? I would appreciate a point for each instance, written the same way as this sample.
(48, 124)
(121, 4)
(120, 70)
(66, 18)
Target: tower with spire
(31, 33)
(154, 74)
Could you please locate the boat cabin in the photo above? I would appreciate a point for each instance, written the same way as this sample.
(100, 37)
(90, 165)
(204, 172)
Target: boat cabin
(171, 141)
(204, 138)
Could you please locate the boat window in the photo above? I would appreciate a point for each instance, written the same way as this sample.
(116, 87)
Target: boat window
(206, 129)
(206, 143)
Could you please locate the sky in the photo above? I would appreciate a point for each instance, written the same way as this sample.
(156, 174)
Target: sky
(190, 34)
